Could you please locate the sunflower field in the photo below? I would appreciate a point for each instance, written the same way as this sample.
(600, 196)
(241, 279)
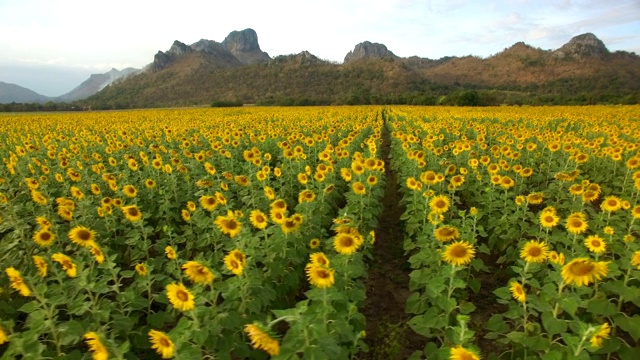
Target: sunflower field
(247, 232)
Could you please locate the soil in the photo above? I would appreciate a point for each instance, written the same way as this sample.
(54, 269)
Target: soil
(388, 335)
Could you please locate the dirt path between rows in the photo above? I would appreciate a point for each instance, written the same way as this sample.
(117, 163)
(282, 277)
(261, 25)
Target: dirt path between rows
(388, 335)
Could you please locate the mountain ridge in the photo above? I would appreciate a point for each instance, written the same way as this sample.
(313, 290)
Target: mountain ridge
(237, 69)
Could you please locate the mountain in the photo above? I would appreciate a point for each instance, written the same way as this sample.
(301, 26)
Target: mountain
(582, 71)
(95, 83)
(14, 93)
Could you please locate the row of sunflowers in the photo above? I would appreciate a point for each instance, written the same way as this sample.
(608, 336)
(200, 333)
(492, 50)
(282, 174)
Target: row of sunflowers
(520, 230)
(187, 234)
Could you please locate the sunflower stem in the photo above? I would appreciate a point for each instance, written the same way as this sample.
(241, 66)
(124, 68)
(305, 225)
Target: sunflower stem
(555, 309)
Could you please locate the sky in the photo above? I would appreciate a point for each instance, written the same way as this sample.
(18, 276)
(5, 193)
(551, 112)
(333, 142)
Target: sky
(51, 46)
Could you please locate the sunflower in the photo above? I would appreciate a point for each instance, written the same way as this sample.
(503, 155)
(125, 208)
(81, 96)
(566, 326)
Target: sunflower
(589, 196)
(320, 276)
(507, 182)
(43, 222)
(180, 297)
(186, 215)
(556, 258)
(170, 252)
(517, 291)
(208, 202)
(372, 180)
(440, 204)
(82, 236)
(306, 196)
(576, 223)
(38, 198)
(228, 224)
(141, 269)
(98, 350)
(635, 259)
(150, 183)
(548, 219)
(41, 265)
(17, 283)
(458, 253)
(3, 336)
(635, 212)
(576, 189)
(76, 193)
(233, 263)
(67, 264)
(460, 353)
(129, 191)
(583, 271)
(97, 253)
(161, 343)
(197, 272)
(44, 237)
(314, 243)
(290, 225)
(346, 243)
(346, 174)
(258, 219)
(269, 193)
(359, 188)
(446, 233)
(534, 251)
(595, 244)
(611, 204)
(261, 339)
(519, 200)
(132, 213)
(319, 258)
(278, 216)
(602, 333)
(535, 198)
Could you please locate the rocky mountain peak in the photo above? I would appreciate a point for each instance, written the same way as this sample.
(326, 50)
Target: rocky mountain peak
(369, 50)
(244, 46)
(581, 47)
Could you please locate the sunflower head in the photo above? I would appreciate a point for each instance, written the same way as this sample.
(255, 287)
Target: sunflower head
(534, 251)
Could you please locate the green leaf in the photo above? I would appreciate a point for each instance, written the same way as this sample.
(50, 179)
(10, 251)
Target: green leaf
(466, 307)
(496, 323)
(601, 307)
(569, 304)
(552, 355)
(72, 331)
(552, 325)
(29, 307)
(629, 324)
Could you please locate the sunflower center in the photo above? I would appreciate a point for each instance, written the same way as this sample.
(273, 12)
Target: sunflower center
(612, 203)
(132, 212)
(548, 219)
(458, 251)
(440, 204)
(576, 223)
(323, 274)
(232, 224)
(446, 232)
(164, 342)
(234, 264)
(45, 236)
(582, 268)
(595, 243)
(182, 295)
(535, 251)
(346, 241)
(84, 235)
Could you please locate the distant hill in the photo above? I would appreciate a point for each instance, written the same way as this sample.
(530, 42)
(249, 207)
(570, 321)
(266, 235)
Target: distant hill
(10, 93)
(95, 83)
(15, 93)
